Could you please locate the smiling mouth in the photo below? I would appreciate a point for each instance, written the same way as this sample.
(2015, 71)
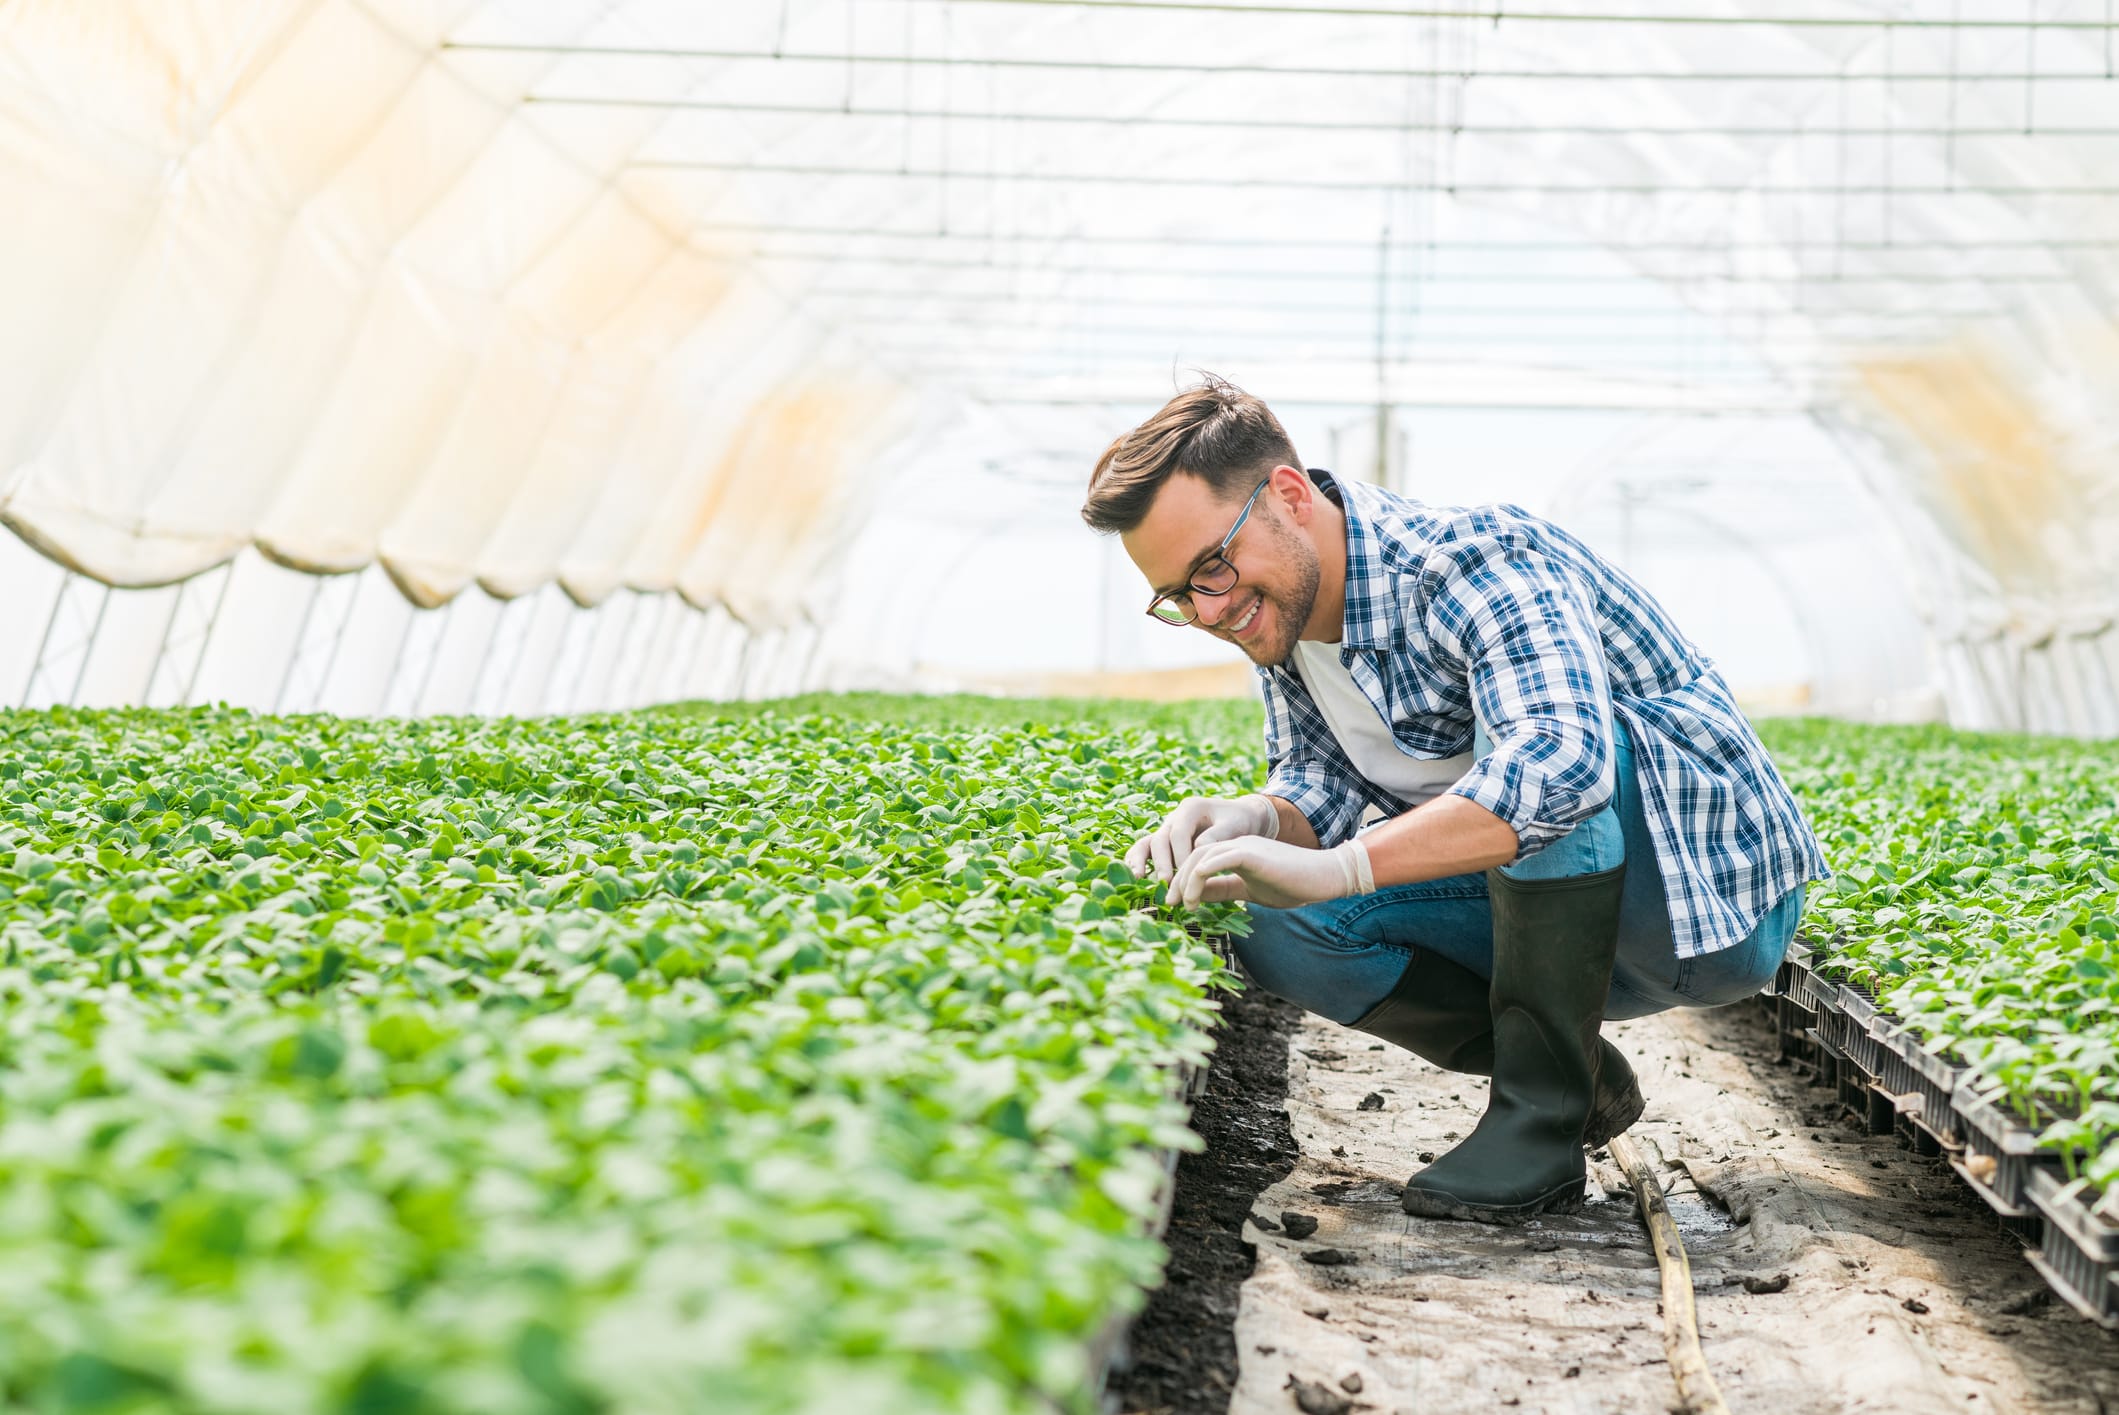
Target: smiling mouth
(1250, 617)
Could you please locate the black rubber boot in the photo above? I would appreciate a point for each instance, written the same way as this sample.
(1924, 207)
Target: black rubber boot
(1440, 1011)
(1554, 945)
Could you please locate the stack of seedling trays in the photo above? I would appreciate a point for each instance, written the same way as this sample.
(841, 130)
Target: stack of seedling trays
(1887, 1079)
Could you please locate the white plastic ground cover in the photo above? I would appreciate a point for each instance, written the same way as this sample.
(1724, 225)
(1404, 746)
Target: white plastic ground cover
(522, 292)
(1880, 1287)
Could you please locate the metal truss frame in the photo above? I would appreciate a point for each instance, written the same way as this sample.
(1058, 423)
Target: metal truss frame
(512, 628)
(69, 640)
(418, 650)
(316, 643)
(193, 614)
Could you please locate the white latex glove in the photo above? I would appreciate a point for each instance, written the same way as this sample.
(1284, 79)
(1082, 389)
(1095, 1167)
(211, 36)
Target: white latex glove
(1198, 821)
(1272, 873)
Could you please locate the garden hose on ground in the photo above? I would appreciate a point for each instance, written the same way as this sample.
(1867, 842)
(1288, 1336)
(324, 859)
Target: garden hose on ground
(1697, 1392)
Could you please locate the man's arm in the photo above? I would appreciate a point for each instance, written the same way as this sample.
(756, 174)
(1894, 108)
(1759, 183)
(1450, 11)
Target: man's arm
(1450, 835)
(1522, 629)
(1294, 825)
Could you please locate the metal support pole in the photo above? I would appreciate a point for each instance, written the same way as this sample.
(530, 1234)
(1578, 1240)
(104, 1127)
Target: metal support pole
(485, 655)
(194, 640)
(301, 635)
(88, 649)
(213, 620)
(805, 677)
(674, 666)
(560, 653)
(602, 614)
(521, 647)
(646, 644)
(53, 648)
(51, 621)
(397, 660)
(742, 670)
(426, 677)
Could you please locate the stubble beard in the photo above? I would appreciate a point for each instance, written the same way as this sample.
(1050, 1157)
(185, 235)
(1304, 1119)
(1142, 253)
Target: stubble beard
(1293, 606)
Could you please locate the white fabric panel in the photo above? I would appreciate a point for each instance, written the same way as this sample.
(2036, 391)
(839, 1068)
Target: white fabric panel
(451, 525)
(564, 333)
(402, 380)
(129, 215)
(432, 543)
(734, 339)
(699, 407)
(782, 484)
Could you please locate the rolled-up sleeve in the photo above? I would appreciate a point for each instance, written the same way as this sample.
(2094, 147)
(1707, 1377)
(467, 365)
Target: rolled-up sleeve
(1306, 770)
(1525, 630)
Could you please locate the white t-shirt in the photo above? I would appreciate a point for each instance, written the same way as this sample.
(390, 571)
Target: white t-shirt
(1363, 734)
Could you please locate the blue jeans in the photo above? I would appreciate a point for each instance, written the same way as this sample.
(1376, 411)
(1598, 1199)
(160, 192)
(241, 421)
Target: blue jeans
(1342, 957)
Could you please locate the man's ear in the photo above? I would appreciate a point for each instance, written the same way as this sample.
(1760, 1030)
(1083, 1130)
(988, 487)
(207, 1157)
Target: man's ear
(1296, 494)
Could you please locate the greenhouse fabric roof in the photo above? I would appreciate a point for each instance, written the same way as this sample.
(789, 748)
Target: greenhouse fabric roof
(674, 297)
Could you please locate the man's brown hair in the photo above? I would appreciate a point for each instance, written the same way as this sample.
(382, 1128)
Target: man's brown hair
(1213, 430)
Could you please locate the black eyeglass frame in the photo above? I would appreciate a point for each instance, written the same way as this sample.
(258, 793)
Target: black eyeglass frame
(1182, 598)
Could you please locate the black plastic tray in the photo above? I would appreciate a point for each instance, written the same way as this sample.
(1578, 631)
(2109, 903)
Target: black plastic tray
(1922, 1084)
(1858, 1014)
(2079, 1251)
(1992, 1134)
(1812, 993)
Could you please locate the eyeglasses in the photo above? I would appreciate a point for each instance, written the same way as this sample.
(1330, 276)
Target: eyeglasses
(1213, 576)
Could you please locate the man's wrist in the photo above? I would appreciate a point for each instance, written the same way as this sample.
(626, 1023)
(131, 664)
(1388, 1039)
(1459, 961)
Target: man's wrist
(1359, 876)
(1266, 812)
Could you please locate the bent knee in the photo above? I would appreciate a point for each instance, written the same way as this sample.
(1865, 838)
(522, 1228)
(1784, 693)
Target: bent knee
(1275, 934)
(1297, 955)
(1709, 986)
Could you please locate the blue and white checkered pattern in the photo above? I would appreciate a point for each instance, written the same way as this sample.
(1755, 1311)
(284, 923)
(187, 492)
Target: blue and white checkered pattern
(1489, 610)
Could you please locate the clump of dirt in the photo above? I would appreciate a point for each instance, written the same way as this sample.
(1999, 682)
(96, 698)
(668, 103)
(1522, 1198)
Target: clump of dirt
(1182, 1348)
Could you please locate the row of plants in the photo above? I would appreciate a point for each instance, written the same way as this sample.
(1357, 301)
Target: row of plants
(663, 1062)
(1976, 895)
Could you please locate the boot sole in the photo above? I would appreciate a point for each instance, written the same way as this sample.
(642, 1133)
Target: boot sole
(1425, 1203)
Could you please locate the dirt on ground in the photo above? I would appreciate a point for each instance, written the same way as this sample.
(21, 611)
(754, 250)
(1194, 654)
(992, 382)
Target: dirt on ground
(1835, 1271)
(1180, 1356)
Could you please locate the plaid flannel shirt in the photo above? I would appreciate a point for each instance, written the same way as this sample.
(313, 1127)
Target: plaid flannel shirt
(1490, 611)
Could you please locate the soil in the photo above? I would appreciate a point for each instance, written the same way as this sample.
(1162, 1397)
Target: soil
(1880, 1284)
(1181, 1351)
(1835, 1271)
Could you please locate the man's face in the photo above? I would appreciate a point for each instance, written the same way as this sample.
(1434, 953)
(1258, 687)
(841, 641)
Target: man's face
(1276, 566)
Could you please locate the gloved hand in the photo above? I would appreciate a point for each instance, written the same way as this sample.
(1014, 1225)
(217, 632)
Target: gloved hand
(1197, 821)
(1272, 873)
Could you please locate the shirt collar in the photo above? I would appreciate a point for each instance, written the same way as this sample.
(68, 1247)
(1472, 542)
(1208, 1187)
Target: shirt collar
(1367, 623)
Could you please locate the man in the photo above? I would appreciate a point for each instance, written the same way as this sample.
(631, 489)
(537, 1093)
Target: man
(1577, 822)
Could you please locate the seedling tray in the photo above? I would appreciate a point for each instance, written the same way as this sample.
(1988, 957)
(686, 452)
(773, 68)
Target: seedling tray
(1850, 1029)
(1797, 957)
(2079, 1250)
(1992, 1134)
(1791, 1025)
(1812, 993)
(1864, 1100)
(1923, 1085)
